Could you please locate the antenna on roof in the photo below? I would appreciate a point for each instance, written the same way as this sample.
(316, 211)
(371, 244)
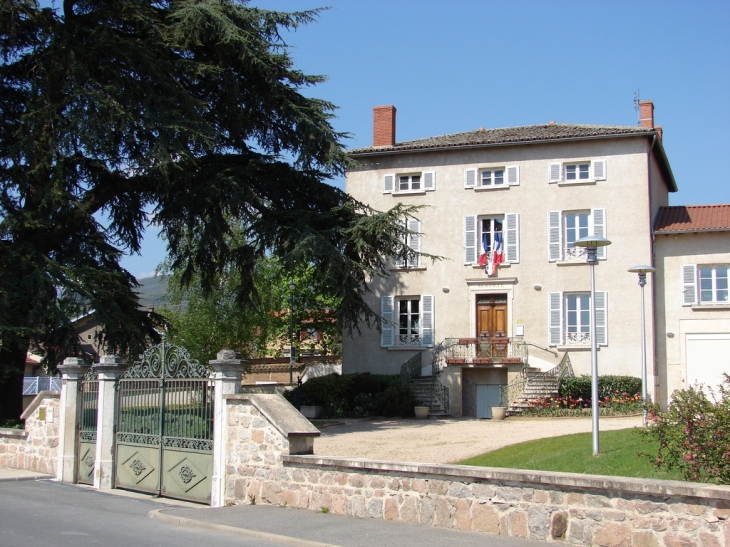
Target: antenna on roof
(636, 106)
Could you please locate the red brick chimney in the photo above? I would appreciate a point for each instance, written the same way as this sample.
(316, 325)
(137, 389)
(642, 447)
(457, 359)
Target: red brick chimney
(646, 114)
(383, 125)
(646, 117)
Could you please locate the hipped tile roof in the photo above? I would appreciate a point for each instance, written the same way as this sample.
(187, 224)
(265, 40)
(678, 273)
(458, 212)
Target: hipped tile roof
(693, 218)
(506, 135)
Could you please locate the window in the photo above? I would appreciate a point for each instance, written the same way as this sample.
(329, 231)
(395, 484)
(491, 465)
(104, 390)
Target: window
(575, 172)
(570, 319)
(490, 229)
(710, 281)
(482, 230)
(578, 319)
(578, 171)
(567, 227)
(406, 321)
(409, 257)
(409, 182)
(492, 177)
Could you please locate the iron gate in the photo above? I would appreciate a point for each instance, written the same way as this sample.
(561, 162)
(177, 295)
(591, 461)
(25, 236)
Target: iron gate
(164, 425)
(89, 392)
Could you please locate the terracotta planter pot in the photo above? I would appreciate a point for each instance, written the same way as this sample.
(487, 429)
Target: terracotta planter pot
(482, 361)
(455, 361)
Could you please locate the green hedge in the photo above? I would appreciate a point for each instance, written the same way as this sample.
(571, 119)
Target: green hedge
(608, 386)
(356, 395)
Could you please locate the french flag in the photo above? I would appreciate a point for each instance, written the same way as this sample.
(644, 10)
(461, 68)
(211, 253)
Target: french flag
(496, 256)
(485, 246)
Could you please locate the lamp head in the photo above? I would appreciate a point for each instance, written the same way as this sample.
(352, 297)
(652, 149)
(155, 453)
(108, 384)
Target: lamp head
(642, 269)
(592, 241)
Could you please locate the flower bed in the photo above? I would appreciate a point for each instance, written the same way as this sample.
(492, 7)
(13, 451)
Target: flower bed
(616, 405)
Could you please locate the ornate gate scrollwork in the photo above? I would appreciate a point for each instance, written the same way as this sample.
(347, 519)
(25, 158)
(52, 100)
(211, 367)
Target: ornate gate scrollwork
(164, 438)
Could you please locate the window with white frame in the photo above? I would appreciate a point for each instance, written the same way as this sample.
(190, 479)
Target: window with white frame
(480, 232)
(400, 183)
(567, 227)
(576, 172)
(407, 321)
(704, 284)
(570, 319)
(492, 177)
(409, 256)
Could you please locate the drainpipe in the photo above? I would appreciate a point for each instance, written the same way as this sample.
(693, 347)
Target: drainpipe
(654, 337)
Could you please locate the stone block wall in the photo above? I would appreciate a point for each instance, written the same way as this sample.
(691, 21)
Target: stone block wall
(34, 448)
(553, 507)
(572, 509)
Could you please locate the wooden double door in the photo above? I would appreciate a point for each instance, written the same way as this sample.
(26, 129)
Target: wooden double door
(492, 315)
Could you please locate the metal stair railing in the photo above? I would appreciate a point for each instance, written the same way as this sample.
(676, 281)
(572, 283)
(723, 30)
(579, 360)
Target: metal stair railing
(410, 369)
(515, 390)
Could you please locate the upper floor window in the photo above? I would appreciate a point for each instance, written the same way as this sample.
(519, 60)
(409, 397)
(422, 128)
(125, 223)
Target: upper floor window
(424, 181)
(408, 183)
(704, 284)
(482, 234)
(409, 256)
(492, 177)
(575, 172)
(567, 227)
(578, 171)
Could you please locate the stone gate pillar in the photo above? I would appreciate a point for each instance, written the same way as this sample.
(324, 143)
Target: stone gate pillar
(109, 369)
(72, 372)
(229, 368)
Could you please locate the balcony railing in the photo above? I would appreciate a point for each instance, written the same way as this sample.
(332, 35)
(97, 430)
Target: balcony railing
(574, 253)
(578, 339)
(35, 384)
(480, 351)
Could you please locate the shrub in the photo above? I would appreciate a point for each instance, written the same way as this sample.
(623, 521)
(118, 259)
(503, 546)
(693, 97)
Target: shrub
(579, 387)
(693, 435)
(356, 395)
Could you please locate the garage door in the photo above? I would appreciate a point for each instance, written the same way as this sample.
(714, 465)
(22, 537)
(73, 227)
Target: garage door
(708, 357)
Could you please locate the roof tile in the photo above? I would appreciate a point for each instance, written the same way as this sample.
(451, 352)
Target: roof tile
(693, 218)
(506, 135)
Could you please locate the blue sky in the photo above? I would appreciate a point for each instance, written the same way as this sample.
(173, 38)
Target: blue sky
(455, 66)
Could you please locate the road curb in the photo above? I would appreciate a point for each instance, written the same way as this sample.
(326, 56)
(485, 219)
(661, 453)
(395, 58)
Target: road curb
(26, 478)
(253, 534)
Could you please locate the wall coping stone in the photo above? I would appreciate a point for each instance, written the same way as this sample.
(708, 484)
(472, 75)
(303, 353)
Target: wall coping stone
(10, 432)
(35, 403)
(282, 415)
(603, 483)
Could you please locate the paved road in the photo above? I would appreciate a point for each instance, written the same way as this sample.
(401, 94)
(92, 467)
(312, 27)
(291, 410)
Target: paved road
(42, 513)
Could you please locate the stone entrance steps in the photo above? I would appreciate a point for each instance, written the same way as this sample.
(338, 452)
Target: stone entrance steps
(423, 391)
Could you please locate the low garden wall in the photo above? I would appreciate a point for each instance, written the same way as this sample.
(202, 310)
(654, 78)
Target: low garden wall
(34, 448)
(263, 467)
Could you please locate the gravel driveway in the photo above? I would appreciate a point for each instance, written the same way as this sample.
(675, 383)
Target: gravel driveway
(445, 440)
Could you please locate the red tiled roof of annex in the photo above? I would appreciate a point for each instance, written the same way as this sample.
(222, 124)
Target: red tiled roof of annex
(693, 218)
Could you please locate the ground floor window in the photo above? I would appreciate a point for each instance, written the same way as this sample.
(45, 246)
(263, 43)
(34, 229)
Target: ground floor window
(407, 320)
(570, 319)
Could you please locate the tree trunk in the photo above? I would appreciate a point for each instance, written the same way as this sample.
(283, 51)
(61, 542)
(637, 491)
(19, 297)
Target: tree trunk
(12, 367)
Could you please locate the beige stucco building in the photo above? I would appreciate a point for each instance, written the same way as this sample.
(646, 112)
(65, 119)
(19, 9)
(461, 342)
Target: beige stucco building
(693, 311)
(538, 189)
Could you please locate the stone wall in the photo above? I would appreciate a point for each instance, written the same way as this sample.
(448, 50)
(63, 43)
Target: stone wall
(554, 507)
(34, 448)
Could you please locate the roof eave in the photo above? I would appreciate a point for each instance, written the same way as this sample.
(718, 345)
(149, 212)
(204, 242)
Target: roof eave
(690, 231)
(663, 164)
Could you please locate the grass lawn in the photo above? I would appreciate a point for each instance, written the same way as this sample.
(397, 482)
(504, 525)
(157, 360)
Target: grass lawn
(574, 454)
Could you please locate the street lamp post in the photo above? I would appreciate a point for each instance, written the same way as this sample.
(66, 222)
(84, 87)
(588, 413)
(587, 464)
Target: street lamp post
(642, 270)
(292, 350)
(591, 244)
